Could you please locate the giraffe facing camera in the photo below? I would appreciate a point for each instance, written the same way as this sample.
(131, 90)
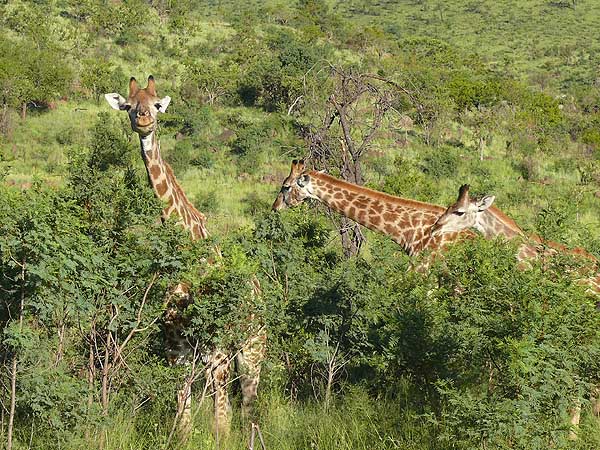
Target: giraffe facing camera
(142, 107)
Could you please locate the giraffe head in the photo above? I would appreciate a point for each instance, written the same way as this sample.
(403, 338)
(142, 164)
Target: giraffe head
(295, 188)
(463, 214)
(142, 105)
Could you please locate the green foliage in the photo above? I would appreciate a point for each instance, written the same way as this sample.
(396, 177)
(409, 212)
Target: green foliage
(476, 354)
(110, 144)
(30, 74)
(100, 78)
(553, 222)
(440, 163)
(468, 92)
(509, 334)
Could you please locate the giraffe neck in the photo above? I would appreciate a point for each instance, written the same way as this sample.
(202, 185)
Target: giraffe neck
(493, 222)
(166, 188)
(407, 222)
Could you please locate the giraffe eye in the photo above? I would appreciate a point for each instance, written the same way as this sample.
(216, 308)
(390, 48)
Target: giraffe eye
(459, 213)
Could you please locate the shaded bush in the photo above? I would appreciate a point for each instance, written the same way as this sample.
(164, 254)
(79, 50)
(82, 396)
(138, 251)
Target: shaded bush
(440, 163)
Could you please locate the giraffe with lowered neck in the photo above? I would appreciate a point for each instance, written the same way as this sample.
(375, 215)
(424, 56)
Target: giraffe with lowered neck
(407, 222)
(143, 106)
(468, 213)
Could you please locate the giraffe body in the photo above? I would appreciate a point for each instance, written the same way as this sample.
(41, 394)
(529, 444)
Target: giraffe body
(142, 106)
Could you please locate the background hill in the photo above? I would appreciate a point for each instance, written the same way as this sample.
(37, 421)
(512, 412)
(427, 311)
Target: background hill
(503, 95)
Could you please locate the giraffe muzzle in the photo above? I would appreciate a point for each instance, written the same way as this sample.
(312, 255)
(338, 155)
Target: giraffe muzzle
(144, 121)
(279, 202)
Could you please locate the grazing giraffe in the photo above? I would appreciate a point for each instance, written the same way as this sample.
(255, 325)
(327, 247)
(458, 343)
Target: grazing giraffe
(407, 222)
(468, 213)
(143, 106)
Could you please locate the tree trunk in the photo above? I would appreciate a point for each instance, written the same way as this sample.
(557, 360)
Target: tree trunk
(24, 110)
(91, 369)
(13, 395)
(61, 343)
(575, 415)
(14, 366)
(350, 232)
(91, 378)
(105, 375)
(481, 147)
(352, 237)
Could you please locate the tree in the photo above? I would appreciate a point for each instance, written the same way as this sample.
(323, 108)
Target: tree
(29, 75)
(354, 113)
(100, 77)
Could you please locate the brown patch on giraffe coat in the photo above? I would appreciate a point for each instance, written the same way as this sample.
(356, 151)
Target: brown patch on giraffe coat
(155, 171)
(390, 216)
(361, 203)
(377, 206)
(375, 220)
(161, 188)
(352, 191)
(351, 212)
(196, 231)
(390, 228)
(418, 235)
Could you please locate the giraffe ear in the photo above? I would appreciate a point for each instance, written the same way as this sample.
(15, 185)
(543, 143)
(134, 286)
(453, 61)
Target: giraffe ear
(116, 101)
(162, 104)
(485, 202)
(303, 180)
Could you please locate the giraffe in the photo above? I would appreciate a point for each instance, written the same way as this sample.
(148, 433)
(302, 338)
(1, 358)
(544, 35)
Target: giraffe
(143, 106)
(468, 213)
(407, 222)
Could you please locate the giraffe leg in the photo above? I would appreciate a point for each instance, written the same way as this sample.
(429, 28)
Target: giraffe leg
(249, 361)
(219, 375)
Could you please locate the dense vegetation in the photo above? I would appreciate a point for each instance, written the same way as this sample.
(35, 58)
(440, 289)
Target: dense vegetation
(364, 353)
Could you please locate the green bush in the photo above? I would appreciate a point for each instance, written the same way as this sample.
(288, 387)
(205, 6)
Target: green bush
(440, 163)
(110, 145)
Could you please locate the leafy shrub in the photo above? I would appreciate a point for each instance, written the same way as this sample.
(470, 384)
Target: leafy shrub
(468, 92)
(407, 181)
(207, 201)
(554, 222)
(110, 144)
(66, 136)
(180, 157)
(255, 204)
(440, 163)
(203, 157)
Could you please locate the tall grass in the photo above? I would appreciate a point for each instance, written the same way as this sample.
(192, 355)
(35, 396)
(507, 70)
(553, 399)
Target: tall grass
(355, 421)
